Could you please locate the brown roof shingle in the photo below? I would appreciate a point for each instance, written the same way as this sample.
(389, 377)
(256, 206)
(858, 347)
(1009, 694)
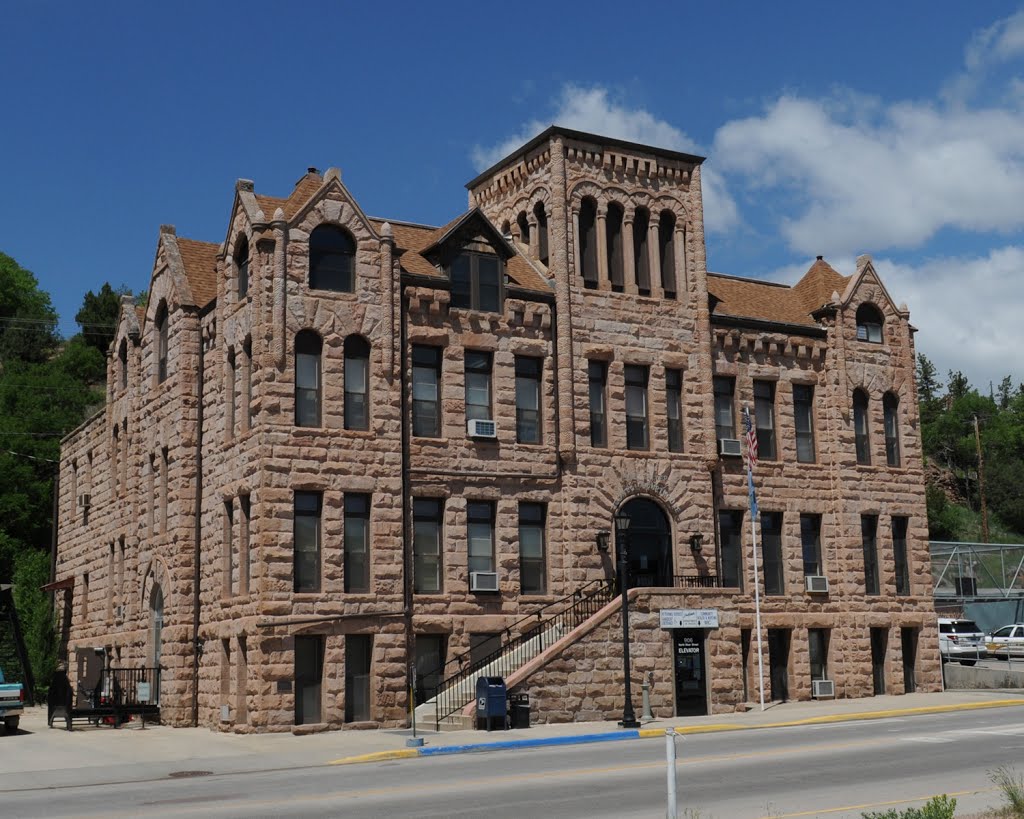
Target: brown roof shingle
(304, 189)
(200, 262)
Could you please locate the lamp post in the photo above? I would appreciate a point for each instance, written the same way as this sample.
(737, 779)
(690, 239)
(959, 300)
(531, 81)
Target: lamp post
(629, 719)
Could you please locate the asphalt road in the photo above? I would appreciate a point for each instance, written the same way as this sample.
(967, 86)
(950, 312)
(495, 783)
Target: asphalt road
(834, 770)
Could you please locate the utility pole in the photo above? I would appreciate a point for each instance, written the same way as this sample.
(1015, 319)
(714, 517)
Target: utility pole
(981, 482)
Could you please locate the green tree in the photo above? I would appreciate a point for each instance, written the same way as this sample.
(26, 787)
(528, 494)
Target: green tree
(98, 315)
(32, 570)
(27, 318)
(928, 388)
(958, 385)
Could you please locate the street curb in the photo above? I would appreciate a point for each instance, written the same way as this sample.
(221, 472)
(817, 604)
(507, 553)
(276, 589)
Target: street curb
(650, 733)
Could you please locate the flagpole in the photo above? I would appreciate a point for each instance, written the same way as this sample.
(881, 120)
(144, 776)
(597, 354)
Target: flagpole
(751, 449)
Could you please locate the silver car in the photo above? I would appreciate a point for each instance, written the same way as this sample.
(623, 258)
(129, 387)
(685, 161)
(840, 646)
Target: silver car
(961, 640)
(1006, 641)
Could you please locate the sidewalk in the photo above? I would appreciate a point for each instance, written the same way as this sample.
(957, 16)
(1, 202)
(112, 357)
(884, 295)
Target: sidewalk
(42, 757)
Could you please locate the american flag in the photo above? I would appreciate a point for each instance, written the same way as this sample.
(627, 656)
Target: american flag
(751, 436)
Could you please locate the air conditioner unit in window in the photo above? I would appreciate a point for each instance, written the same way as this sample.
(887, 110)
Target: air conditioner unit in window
(483, 581)
(729, 446)
(823, 689)
(84, 500)
(482, 428)
(816, 583)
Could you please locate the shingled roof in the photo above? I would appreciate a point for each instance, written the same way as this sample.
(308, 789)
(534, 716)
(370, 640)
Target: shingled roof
(304, 189)
(200, 262)
(780, 303)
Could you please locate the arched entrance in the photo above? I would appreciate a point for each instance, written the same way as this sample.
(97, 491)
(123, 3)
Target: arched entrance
(650, 543)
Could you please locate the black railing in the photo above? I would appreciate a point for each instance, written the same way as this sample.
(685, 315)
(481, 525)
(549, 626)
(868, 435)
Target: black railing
(679, 581)
(524, 640)
(124, 683)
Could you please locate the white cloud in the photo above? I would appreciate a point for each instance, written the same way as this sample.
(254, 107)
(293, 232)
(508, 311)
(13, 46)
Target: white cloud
(593, 109)
(889, 180)
(999, 43)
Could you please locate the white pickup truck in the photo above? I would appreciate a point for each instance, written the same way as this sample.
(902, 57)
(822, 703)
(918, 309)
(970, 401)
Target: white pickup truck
(12, 703)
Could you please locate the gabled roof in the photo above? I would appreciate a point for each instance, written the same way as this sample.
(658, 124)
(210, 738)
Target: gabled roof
(304, 189)
(778, 303)
(200, 262)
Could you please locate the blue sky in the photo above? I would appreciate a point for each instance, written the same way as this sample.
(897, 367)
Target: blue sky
(895, 129)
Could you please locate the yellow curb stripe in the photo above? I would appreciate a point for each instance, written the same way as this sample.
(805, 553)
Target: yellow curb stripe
(378, 756)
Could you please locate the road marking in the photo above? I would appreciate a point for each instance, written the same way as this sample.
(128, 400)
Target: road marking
(819, 811)
(930, 740)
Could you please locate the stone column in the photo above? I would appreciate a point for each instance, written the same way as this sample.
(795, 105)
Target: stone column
(558, 250)
(531, 220)
(629, 282)
(387, 273)
(280, 288)
(654, 256)
(679, 249)
(602, 248)
(577, 260)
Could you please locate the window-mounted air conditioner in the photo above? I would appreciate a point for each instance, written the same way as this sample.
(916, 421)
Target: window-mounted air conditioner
(816, 583)
(84, 500)
(823, 689)
(482, 428)
(729, 446)
(483, 581)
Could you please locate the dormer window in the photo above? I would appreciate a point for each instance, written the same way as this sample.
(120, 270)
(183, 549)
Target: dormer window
(869, 323)
(476, 281)
(161, 343)
(242, 265)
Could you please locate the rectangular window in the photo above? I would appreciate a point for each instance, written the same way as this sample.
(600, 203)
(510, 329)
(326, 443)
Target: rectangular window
(247, 368)
(478, 385)
(151, 497)
(121, 597)
(426, 524)
(480, 535)
(636, 407)
(476, 282)
(528, 374)
(899, 550)
(426, 380)
(597, 375)
(803, 419)
(308, 507)
(165, 484)
(817, 649)
(810, 544)
(771, 550)
(111, 588)
(85, 597)
(674, 409)
(245, 554)
(532, 558)
(869, 538)
(358, 655)
(725, 414)
(308, 381)
(309, 674)
(730, 529)
(230, 393)
(229, 548)
(764, 415)
(357, 543)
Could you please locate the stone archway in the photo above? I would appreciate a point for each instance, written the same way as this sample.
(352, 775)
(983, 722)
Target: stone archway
(650, 543)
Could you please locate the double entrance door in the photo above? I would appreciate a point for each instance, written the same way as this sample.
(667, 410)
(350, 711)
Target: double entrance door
(691, 674)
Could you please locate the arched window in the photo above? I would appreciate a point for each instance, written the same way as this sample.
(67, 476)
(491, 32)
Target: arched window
(524, 227)
(506, 230)
(860, 426)
(542, 232)
(613, 236)
(161, 343)
(331, 260)
(357, 383)
(641, 256)
(156, 614)
(869, 323)
(122, 363)
(587, 262)
(308, 378)
(890, 409)
(667, 252)
(242, 265)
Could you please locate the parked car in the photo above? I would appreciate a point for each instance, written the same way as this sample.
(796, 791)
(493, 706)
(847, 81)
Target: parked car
(1006, 641)
(12, 702)
(961, 640)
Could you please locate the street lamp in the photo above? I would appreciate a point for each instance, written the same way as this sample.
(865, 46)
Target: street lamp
(622, 545)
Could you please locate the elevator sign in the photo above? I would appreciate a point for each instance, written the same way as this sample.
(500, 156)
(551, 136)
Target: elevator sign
(689, 618)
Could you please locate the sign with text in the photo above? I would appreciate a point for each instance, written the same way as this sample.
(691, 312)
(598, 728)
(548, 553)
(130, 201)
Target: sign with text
(142, 691)
(689, 618)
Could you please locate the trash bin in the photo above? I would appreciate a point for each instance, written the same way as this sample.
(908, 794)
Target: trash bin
(519, 710)
(491, 704)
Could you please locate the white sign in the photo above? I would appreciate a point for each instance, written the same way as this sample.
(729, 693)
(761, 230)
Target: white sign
(142, 691)
(689, 618)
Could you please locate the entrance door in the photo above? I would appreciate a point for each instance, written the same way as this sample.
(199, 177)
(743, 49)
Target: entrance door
(430, 652)
(879, 640)
(778, 662)
(650, 544)
(908, 640)
(691, 682)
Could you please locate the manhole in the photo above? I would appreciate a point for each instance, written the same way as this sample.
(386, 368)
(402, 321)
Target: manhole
(187, 774)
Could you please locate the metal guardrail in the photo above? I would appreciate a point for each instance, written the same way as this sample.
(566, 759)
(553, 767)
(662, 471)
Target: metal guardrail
(977, 571)
(525, 639)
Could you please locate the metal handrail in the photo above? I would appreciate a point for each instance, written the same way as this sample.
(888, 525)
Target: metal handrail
(527, 644)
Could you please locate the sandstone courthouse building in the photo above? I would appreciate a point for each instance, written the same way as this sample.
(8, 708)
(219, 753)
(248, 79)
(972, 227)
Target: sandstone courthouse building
(335, 446)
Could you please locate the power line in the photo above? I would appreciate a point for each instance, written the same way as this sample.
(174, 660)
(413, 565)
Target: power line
(30, 457)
